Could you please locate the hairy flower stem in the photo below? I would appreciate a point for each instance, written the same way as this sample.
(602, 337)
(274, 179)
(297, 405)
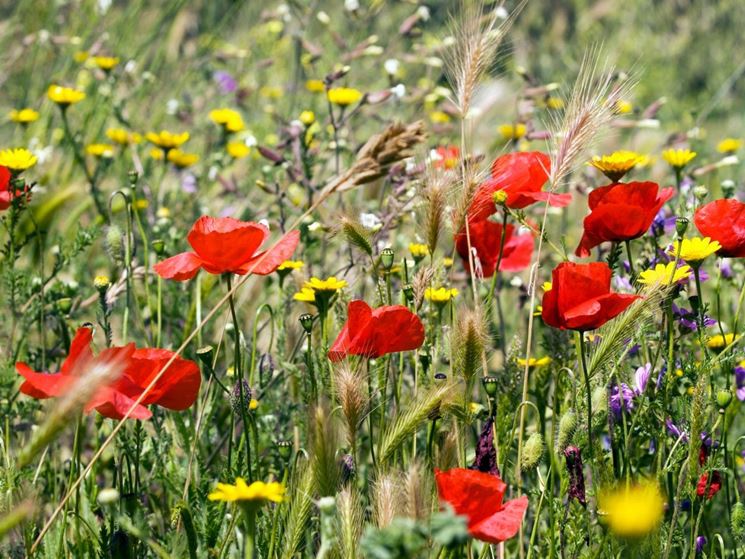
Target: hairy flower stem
(580, 338)
(238, 364)
(80, 160)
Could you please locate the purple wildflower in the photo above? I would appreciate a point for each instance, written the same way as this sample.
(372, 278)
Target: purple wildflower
(700, 543)
(675, 431)
(662, 225)
(725, 267)
(621, 398)
(641, 378)
(740, 383)
(225, 81)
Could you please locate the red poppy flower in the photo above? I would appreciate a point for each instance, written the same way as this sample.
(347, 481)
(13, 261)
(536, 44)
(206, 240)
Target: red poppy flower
(580, 297)
(521, 176)
(486, 236)
(621, 212)
(478, 496)
(375, 332)
(6, 191)
(447, 157)
(176, 389)
(226, 245)
(723, 221)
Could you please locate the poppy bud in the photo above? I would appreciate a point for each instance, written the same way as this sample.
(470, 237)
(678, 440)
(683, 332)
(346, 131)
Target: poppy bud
(681, 225)
(18, 183)
(386, 258)
(490, 386)
(567, 426)
(738, 523)
(159, 246)
(285, 449)
(240, 397)
(306, 321)
(133, 177)
(728, 188)
(700, 192)
(573, 457)
(724, 397)
(64, 305)
(114, 243)
(532, 452)
(409, 293)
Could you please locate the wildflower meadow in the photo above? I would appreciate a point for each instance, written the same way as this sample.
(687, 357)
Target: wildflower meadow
(369, 279)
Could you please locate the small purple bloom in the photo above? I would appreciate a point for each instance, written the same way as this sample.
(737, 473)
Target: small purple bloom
(189, 183)
(725, 266)
(641, 378)
(225, 81)
(675, 432)
(662, 225)
(623, 283)
(621, 398)
(700, 543)
(740, 383)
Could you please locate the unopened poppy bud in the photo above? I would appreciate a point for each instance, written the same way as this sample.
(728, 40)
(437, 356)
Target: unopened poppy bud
(107, 496)
(681, 226)
(285, 449)
(490, 386)
(724, 397)
(386, 258)
(728, 188)
(64, 305)
(409, 293)
(240, 397)
(700, 192)
(532, 452)
(737, 523)
(499, 197)
(101, 283)
(114, 243)
(567, 426)
(159, 246)
(133, 177)
(306, 321)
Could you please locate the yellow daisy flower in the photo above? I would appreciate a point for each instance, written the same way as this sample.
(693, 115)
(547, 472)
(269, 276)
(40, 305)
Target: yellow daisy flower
(695, 249)
(290, 265)
(23, 116)
(18, 159)
(555, 103)
(678, 158)
(315, 86)
(632, 511)
(534, 362)
(123, 137)
(167, 140)
(305, 295)
(513, 131)
(229, 119)
(105, 151)
(329, 284)
(64, 96)
(720, 342)
(307, 117)
(418, 251)
(181, 159)
(729, 145)
(439, 117)
(106, 63)
(664, 274)
(547, 285)
(237, 150)
(344, 96)
(440, 295)
(623, 107)
(258, 492)
(617, 164)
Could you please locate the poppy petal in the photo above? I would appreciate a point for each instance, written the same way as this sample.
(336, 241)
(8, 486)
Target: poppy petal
(181, 267)
(473, 494)
(178, 386)
(267, 262)
(80, 351)
(43, 385)
(357, 326)
(594, 313)
(115, 405)
(503, 524)
(225, 244)
(723, 221)
(396, 329)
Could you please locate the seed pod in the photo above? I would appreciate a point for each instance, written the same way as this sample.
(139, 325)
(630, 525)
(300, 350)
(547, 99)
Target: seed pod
(567, 427)
(532, 452)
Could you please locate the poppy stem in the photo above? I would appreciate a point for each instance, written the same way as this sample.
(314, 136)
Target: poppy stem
(588, 395)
